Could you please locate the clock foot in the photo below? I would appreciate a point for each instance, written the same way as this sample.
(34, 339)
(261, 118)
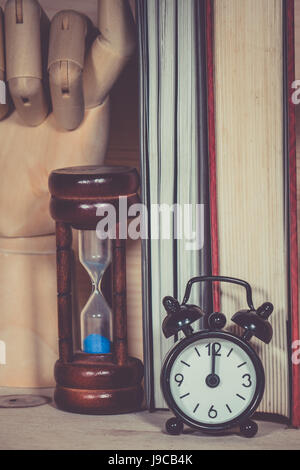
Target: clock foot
(174, 426)
(248, 428)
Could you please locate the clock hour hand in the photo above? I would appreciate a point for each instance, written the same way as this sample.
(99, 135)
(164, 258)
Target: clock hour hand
(213, 380)
(213, 363)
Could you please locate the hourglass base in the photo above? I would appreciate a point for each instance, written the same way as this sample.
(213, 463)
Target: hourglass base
(93, 384)
(99, 402)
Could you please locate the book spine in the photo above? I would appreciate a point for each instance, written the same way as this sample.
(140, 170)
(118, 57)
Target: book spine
(203, 155)
(212, 148)
(290, 119)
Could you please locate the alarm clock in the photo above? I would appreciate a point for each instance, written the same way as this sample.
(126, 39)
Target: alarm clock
(214, 380)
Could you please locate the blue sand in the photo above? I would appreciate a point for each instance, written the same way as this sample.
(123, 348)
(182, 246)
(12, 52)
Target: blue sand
(96, 344)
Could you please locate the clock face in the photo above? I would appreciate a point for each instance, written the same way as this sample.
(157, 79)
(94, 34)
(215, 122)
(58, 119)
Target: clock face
(214, 380)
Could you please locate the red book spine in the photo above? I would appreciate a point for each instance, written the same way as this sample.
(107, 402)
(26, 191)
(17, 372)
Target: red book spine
(212, 149)
(293, 262)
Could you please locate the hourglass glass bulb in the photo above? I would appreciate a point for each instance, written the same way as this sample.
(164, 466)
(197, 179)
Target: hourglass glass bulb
(96, 323)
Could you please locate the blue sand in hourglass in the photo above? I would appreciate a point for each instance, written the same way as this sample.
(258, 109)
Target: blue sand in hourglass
(96, 325)
(96, 321)
(96, 344)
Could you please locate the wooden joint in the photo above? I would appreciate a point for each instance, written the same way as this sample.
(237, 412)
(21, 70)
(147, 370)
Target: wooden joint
(65, 87)
(65, 24)
(19, 11)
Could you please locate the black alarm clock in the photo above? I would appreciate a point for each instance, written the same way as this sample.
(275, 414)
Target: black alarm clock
(214, 380)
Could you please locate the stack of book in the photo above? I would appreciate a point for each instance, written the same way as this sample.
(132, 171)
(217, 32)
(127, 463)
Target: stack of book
(218, 129)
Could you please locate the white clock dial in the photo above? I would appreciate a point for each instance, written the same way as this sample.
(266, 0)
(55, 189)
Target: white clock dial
(213, 390)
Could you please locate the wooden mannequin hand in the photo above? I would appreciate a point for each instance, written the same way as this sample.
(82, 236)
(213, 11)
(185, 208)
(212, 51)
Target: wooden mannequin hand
(35, 141)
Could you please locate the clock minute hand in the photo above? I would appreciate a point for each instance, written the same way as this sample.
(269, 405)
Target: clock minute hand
(213, 380)
(213, 363)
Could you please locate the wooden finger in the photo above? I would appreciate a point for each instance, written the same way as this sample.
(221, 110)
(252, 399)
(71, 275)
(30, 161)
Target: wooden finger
(23, 39)
(65, 64)
(110, 51)
(3, 96)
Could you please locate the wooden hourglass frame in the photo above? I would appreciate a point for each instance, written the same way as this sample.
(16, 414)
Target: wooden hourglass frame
(93, 383)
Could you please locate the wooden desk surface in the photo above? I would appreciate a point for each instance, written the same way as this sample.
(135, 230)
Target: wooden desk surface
(46, 428)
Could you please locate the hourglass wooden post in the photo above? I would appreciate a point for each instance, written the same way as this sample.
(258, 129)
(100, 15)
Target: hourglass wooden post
(101, 378)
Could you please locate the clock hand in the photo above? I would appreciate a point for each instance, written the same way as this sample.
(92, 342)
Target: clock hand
(213, 365)
(213, 380)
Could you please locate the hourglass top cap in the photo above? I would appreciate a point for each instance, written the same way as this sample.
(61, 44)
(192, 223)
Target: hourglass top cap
(97, 182)
(79, 192)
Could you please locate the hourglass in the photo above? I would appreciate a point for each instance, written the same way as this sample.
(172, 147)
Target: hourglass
(96, 321)
(100, 378)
